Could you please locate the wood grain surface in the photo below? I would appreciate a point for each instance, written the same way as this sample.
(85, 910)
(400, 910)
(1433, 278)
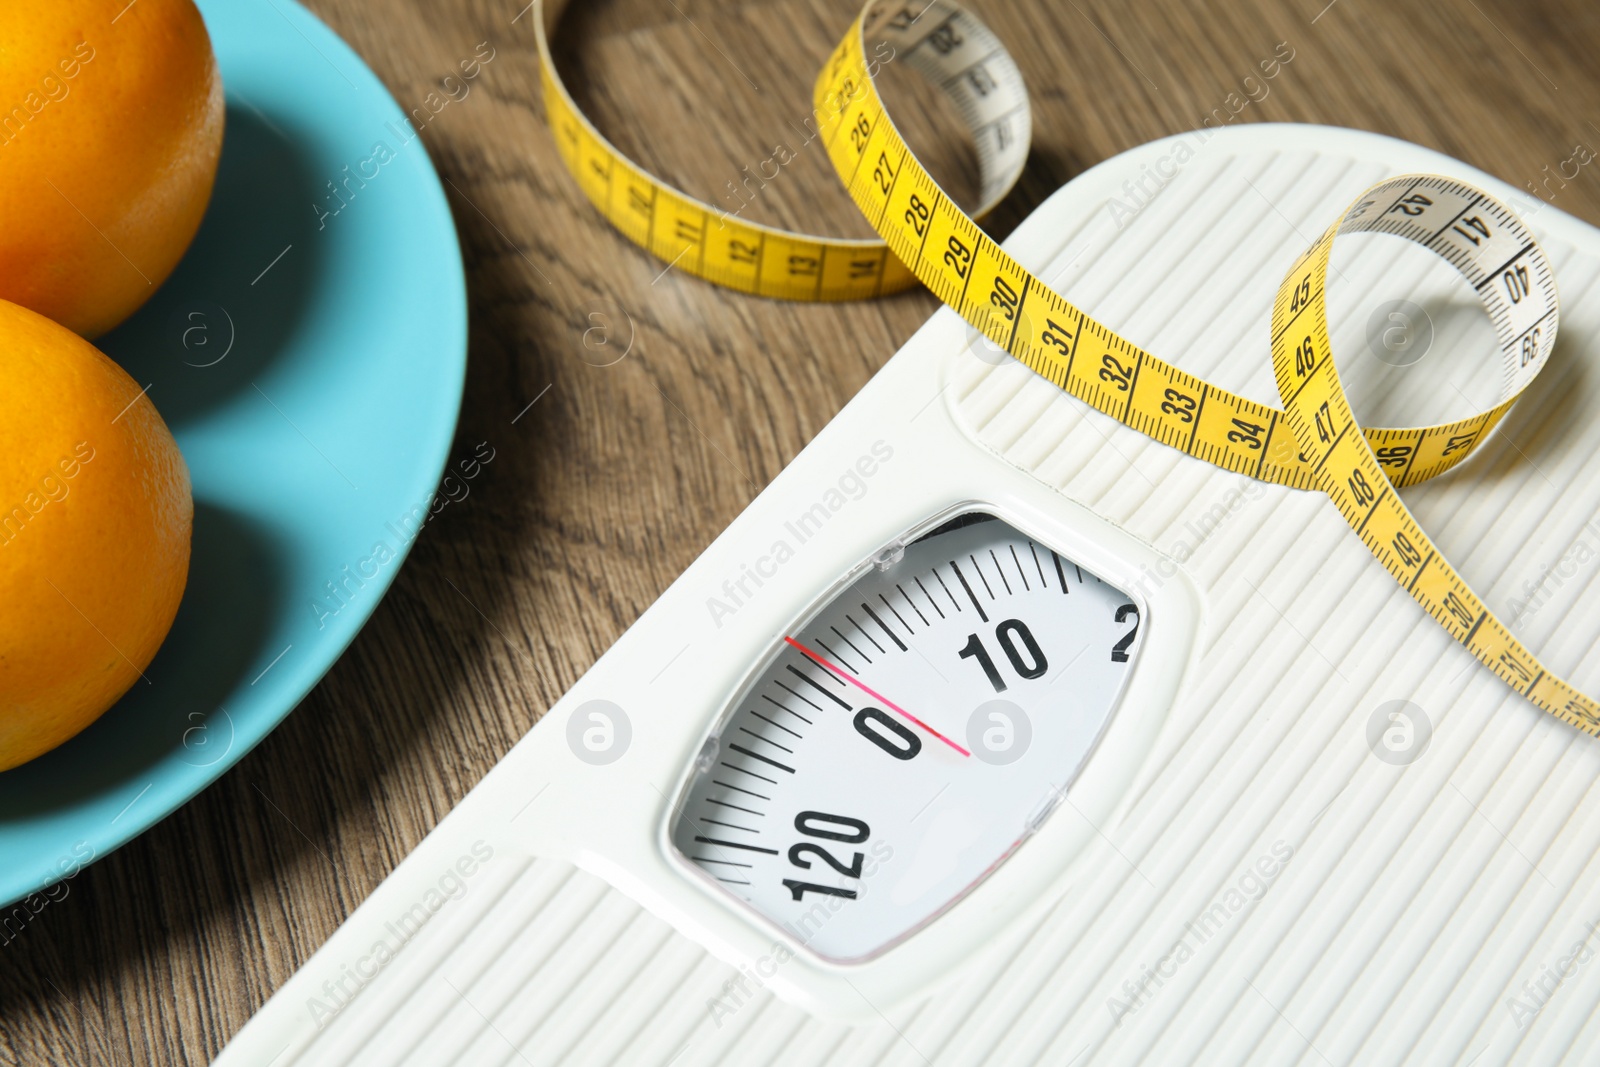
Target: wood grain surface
(617, 476)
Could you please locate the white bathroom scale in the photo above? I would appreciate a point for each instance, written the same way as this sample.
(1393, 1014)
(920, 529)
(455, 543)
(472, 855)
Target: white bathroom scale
(994, 731)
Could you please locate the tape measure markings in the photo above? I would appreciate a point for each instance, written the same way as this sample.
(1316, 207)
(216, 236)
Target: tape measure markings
(1308, 444)
(1349, 471)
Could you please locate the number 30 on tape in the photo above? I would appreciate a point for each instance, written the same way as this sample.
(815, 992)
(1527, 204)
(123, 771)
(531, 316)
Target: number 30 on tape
(1312, 442)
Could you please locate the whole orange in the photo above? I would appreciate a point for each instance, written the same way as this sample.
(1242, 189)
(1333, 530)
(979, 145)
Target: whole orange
(111, 119)
(95, 516)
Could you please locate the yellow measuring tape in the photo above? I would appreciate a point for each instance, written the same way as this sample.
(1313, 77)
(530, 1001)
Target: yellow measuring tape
(1313, 442)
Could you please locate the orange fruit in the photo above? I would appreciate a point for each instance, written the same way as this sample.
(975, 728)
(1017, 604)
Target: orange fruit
(110, 131)
(95, 515)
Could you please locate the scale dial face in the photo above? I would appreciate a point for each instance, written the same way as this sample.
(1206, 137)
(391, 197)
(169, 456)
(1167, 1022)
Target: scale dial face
(911, 735)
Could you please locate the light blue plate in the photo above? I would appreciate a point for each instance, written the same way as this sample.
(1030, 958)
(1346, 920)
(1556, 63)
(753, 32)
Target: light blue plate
(311, 368)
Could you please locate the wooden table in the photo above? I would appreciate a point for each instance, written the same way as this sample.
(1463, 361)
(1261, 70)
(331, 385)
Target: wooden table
(616, 477)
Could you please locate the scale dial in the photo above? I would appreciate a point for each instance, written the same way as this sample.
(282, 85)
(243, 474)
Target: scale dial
(911, 735)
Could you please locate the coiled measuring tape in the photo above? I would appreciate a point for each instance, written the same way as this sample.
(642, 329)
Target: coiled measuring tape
(1313, 442)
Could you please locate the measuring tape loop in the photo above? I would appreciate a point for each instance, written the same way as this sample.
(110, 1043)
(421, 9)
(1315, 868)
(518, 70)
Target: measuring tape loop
(1502, 262)
(1312, 442)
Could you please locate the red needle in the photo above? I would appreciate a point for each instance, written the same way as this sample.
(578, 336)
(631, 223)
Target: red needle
(874, 694)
